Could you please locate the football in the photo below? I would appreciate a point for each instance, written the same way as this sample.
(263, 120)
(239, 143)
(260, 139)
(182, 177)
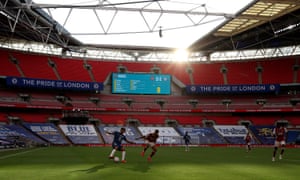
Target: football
(116, 159)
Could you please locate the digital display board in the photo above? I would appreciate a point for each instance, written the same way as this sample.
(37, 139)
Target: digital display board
(135, 83)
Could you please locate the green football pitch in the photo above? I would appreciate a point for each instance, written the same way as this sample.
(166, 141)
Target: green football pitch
(57, 163)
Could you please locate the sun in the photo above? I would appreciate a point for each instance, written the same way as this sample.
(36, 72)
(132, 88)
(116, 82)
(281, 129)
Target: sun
(180, 55)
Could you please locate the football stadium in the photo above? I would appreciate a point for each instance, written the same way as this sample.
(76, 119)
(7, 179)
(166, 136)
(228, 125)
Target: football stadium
(154, 89)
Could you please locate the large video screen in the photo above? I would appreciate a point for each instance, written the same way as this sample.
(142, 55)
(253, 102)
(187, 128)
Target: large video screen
(141, 83)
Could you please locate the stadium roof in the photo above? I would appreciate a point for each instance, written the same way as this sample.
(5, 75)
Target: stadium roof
(146, 23)
(200, 25)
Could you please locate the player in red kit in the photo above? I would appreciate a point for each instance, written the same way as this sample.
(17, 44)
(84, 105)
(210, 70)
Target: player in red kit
(248, 139)
(279, 132)
(150, 141)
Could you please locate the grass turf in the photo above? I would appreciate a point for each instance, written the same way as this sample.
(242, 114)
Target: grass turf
(57, 163)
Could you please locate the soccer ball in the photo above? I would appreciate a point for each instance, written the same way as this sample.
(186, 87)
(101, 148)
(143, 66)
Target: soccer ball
(116, 159)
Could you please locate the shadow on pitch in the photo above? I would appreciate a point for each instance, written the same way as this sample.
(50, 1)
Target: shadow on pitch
(92, 169)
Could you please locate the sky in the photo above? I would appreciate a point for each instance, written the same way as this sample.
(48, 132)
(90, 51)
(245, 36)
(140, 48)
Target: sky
(167, 23)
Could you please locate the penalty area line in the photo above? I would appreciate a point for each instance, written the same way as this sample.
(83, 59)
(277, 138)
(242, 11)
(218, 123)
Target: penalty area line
(19, 153)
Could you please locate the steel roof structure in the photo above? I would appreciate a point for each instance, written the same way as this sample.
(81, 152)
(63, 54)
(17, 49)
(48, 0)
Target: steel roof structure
(260, 24)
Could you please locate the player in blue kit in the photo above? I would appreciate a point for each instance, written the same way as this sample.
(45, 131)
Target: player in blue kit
(187, 141)
(117, 143)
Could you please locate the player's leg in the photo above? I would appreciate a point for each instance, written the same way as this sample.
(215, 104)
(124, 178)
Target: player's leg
(187, 146)
(123, 155)
(282, 150)
(249, 146)
(276, 145)
(154, 150)
(274, 153)
(112, 154)
(145, 149)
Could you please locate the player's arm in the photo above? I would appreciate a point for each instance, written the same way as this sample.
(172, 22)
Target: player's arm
(130, 142)
(142, 137)
(274, 132)
(107, 132)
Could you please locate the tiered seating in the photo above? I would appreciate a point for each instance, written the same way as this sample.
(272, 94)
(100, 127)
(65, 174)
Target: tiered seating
(203, 135)
(293, 136)
(44, 99)
(278, 71)
(111, 118)
(263, 120)
(263, 134)
(224, 120)
(150, 119)
(207, 74)
(45, 102)
(81, 134)
(83, 104)
(233, 134)
(71, 70)
(8, 95)
(3, 117)
(15, 130)
(179, 70)
(294, 120)
(242, 72)
(35, 66)
(7, 68)
(187, 120)
(32, 117)
(136, 67)
(47, 131)
(102, 69)
(10, 98)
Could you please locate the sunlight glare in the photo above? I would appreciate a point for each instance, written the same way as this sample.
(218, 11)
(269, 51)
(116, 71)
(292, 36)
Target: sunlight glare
(181, 55)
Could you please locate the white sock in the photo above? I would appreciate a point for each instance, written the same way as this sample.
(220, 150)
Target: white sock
(123, 155)
(112, 153)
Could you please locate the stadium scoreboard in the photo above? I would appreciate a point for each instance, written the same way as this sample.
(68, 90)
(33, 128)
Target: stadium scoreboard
(141, 83)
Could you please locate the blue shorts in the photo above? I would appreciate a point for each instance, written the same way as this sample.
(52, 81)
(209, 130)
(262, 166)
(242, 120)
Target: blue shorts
(118, 147)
